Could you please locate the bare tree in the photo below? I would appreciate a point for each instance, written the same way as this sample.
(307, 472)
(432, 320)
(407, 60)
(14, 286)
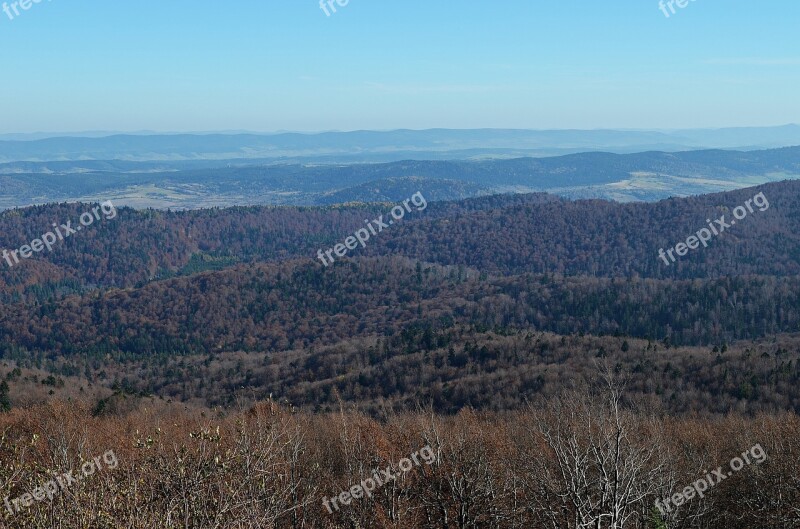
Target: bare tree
(603, 462)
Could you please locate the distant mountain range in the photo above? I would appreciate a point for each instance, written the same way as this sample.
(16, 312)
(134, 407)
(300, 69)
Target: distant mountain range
(378, 146)
(190, 184)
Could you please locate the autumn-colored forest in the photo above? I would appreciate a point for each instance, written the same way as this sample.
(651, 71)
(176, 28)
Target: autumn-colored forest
(564, 377)
(588, 458)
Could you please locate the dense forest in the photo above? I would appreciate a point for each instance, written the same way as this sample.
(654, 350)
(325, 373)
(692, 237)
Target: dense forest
(447, 370)
(589, 454)
(300, 304)
(526, 339)
(501, 234)
(461, 305)
(459, 295)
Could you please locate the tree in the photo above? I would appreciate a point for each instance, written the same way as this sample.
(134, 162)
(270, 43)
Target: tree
(605, 461)
(5, 401)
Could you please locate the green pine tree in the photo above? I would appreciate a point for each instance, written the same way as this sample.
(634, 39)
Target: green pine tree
(657, 520)
(5, 402)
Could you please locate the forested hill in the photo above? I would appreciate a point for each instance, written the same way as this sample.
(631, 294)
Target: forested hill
(380, 332)
(299, 304)
(509, 234)
(448, 299)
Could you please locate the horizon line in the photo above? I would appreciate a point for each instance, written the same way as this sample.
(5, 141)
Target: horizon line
(96, 134)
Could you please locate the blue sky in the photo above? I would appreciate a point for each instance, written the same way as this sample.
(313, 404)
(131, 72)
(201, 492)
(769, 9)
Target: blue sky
(269, 65)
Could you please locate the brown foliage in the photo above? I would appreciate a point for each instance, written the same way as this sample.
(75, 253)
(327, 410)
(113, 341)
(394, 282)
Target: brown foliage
(550, 466)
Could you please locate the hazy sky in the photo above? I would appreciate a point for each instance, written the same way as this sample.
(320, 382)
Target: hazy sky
(268, 65)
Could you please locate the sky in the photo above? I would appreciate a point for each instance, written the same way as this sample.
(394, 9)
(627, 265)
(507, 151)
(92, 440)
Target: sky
(274, 65)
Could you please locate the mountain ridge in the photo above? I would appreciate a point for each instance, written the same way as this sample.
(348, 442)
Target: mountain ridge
(646, 176)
